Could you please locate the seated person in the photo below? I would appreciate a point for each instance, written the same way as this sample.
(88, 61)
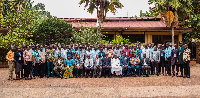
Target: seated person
(69, 65)
(115, 62)
(135, 64)
(124, 63)
(106, 65)
(78, 66)
(89, 66)
(145, 62)
(59, 63)
(97, 65)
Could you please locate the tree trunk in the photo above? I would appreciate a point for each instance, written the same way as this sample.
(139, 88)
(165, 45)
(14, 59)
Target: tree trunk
(172, 33)
(99, 33)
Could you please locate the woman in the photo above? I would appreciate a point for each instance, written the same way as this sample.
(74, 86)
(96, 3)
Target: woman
(36, 61)
(135, 61)
(69, 65)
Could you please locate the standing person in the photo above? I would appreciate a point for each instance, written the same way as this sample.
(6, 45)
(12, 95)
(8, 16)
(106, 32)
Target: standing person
(42, 61)
(155, 59)
(69, 66)
(115, 63)
(124, 63)
(118, 51)
(36, 62)
(145, 62)
(97, 65)
(186, 59)
(101, 53)
(10, 58)
(78, 66)
(106, 64)
(32, 67)
(162, 60)
(22, 50)
(18, 62)
(174, 55)
(135, 64)
(50, 57)
(59, 63)
(126, 50)
(168, 59)
(136, 51)
(27, 62)
(180, 58)
(89, 63)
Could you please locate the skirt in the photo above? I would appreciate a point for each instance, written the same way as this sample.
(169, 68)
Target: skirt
(68, 72)
(18, 67)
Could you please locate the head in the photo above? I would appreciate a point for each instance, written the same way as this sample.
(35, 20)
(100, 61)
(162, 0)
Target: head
(75, 47)
(80, 47)
(97, 55)
(41, 48)
(59, 47)
(23, 46)
(175, 45)
(122, 43)
(69, 57)
(64, 47)
(78, 56)
(36, 48)
(27, 47)
(167, 44)
(126, 46)
(144, 55)
(149, 44)
(134, 46)
(88, 56)
(155, 48)
(18, 48)
(181, 44)
(55, 46)
(89, 44)
(71, 43)
(59, 54)
(11, 48)
(83, 43)
(139, 46)
(50, 47)
(186, 46)
(117, 46)
(106, 55)
(145, 45)
(152, 45)
(163, 46)
(101, 50)
(115, 56)
(124, 54)
(69, 47)
(170, 44)
(33, 47)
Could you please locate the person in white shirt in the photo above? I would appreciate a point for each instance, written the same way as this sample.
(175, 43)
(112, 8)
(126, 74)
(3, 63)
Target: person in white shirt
(115, 63)
(97, 65)
(89, 66)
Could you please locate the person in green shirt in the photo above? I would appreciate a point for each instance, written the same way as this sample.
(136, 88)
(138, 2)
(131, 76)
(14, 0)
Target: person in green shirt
(180, 58)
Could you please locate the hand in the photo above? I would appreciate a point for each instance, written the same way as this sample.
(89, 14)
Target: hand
(88, 68)
(24, 62)
(145, 67)
(177, 60)
(116, 65)
(158, 61)
(33, 64)
(106, 66)
(165, 59)
(78, 67)
(125, 66)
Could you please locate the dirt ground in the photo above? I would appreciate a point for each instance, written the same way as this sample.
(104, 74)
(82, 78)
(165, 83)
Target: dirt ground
(153, 86)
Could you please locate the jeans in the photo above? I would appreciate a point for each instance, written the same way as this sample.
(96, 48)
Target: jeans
(137, 69)
(50, 68)
(128, 69)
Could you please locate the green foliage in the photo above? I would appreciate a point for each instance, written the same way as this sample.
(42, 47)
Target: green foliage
(104, 42)
(53, 30)
(147, 14)
(119, 40)
(87, 35)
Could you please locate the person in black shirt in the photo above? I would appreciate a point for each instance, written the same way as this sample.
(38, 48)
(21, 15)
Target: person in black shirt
(18, 62)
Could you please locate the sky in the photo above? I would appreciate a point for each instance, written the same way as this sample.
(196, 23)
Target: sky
(71, 9)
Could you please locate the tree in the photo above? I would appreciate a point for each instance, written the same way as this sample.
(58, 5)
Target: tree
(172, 10)
(102, 7)
(147, 14)
(53, 30)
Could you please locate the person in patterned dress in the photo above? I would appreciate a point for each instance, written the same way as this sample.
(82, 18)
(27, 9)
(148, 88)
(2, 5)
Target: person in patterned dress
(50, 57)
(186, 59)
(69, 66)
(59, 63)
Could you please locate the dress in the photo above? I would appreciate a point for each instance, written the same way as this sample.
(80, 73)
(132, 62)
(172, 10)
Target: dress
(68, 69)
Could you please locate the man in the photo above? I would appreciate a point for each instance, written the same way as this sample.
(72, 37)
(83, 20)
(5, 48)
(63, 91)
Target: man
(59, 63)
(97, 65)
(145, 62)
(168, 59)
(180, 58)
(22, 51)
(118, 51)
(174, 55)
(78, 66)
(42, 61)
(18, 62)
(72, 45)
(10, 58)
(162, 60)
(124, 62)
(106, 63)
(146, 50)
(50, 57)
(186, 59)
(126, 50)
(115, 62)
(36, 61)
(27, 62)
(135, 64)
(101, 53)
(89, 66)
(155, 59)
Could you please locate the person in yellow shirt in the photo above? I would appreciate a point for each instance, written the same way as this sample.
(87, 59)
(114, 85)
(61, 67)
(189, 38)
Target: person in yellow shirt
(10, 58)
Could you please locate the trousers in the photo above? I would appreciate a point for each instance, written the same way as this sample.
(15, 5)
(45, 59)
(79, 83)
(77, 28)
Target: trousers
(11, 69)
(50, 68)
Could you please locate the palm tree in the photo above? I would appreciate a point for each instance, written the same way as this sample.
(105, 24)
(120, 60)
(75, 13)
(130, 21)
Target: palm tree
(102, 7)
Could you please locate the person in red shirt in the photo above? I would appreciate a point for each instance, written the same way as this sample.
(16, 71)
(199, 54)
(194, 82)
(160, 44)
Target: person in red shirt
(126, 50)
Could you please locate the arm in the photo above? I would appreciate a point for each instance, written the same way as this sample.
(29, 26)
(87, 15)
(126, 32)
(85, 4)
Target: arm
(121, 62)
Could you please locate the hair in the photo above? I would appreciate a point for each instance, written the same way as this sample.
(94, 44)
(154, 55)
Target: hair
(27, 46)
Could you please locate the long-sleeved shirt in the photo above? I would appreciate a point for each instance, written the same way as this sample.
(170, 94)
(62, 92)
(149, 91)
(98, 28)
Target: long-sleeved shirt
(89, 63)
(155, 56)
(118, 52)
(168, 51)
(10, 55)
(42, 56)
(186, 54)
(128, 52)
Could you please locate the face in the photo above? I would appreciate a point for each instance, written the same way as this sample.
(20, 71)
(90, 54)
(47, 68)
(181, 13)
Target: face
(144, 55)
(117, 46)
(186, 46)
(41, 47)
(69, 57)
(101, 50)
(59, 54)
(115, 56)
(124, 54)
(37, 48)
(88, 56)
(134, 54)
(23, 46)
(167, 44)
(27, 47)
(97, 56)
(50, 47)
(33, 47)
(18, 48)
(126, 46)
(11, 48)
(78, 56)
(181, 43)
(155, 48)
(106, 55)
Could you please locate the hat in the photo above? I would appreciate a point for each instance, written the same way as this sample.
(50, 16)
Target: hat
(68, 55)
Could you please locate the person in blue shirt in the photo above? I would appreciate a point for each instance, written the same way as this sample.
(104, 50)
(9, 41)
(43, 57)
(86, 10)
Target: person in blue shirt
(124, 63)
(168, 59)
(69, 65)
(101, 53)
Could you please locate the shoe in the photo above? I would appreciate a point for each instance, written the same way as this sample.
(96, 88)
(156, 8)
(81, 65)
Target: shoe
(120, 76)
(168, 75)
(188, 77)
(157, 74)
(181, 76)
(143, 76)
(90, 76)
(99, 76)
(147, 76)
(109, 76)
(112, 76)
(104, 76)
(76, 76)
(184, 76)
(95, 76)
(86, 76)
(47, 76)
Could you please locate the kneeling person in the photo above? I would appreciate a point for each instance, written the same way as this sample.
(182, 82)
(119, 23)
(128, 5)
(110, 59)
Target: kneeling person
(59, 63)
(78, 66)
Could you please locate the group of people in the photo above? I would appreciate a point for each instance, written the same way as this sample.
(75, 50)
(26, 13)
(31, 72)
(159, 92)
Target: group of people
(86, 60)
